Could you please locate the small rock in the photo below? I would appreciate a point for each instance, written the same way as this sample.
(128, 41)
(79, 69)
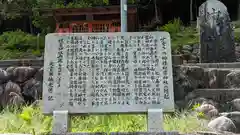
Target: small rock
(199, 100)
(15, 99)
(236, 104)
(205, 108)
(233, 79)
(211, 102)
(208, 110)
(187, 48)
(222, 123)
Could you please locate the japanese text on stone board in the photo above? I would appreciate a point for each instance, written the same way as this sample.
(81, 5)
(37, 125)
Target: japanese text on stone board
(114, 70)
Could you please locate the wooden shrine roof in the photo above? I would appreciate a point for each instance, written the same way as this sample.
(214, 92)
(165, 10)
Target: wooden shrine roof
(132, 9)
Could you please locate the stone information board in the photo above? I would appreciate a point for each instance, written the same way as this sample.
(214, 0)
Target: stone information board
(108, 72)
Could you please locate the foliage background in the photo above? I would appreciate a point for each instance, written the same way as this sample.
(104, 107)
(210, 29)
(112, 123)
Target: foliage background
(17, 44)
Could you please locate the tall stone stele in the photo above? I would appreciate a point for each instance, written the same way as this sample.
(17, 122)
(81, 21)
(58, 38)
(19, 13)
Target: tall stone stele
(216, 33)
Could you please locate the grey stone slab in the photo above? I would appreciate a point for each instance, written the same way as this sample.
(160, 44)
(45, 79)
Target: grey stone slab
(144, 133)
(111, 72)
(218, 95)
(155, 120)
(60, 122)
(216, 33)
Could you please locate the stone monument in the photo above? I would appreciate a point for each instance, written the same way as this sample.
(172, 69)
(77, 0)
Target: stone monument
(108, 73)
(216, 33)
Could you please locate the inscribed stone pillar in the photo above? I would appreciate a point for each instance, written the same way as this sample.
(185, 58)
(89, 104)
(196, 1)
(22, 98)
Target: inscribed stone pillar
(216, 33)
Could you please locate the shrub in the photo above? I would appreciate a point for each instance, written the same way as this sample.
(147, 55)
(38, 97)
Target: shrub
(236, 24)
(173, 26)
(180, 35)
(18, 40)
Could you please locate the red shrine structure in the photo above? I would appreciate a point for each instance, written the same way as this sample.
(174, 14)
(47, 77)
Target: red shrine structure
(93, 19)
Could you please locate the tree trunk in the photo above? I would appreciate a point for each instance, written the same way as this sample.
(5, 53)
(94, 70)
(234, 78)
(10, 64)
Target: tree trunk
(238, 10)
(191, 10)
(30, 24)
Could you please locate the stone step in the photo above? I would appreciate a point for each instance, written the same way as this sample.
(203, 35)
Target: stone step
(222, 77)
(216, 65)
(218, 95)
(207, 77)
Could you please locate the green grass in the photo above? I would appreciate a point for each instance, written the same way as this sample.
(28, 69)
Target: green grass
(31, 118)
(180, 36)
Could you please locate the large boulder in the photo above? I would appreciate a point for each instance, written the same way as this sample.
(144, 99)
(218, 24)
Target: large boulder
(12, 87)
(22, 74)
(32, 90)
(186, 79)
(235, 118)
(222, 124)
(11, 94)
(39, 75)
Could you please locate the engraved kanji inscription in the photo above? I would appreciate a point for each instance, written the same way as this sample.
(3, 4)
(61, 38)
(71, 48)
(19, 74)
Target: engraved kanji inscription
(111, 72)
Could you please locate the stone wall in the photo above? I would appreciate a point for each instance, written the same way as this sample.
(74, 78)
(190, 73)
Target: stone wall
(191, 53)
(23, 80)
(20, 85)
(210, 84)
(188, 78)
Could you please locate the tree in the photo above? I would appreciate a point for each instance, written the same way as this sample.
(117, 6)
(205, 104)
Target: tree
(44, 23)
(11, 9)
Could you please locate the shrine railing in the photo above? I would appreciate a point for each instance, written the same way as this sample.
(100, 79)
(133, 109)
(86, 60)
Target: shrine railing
(96, 26)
